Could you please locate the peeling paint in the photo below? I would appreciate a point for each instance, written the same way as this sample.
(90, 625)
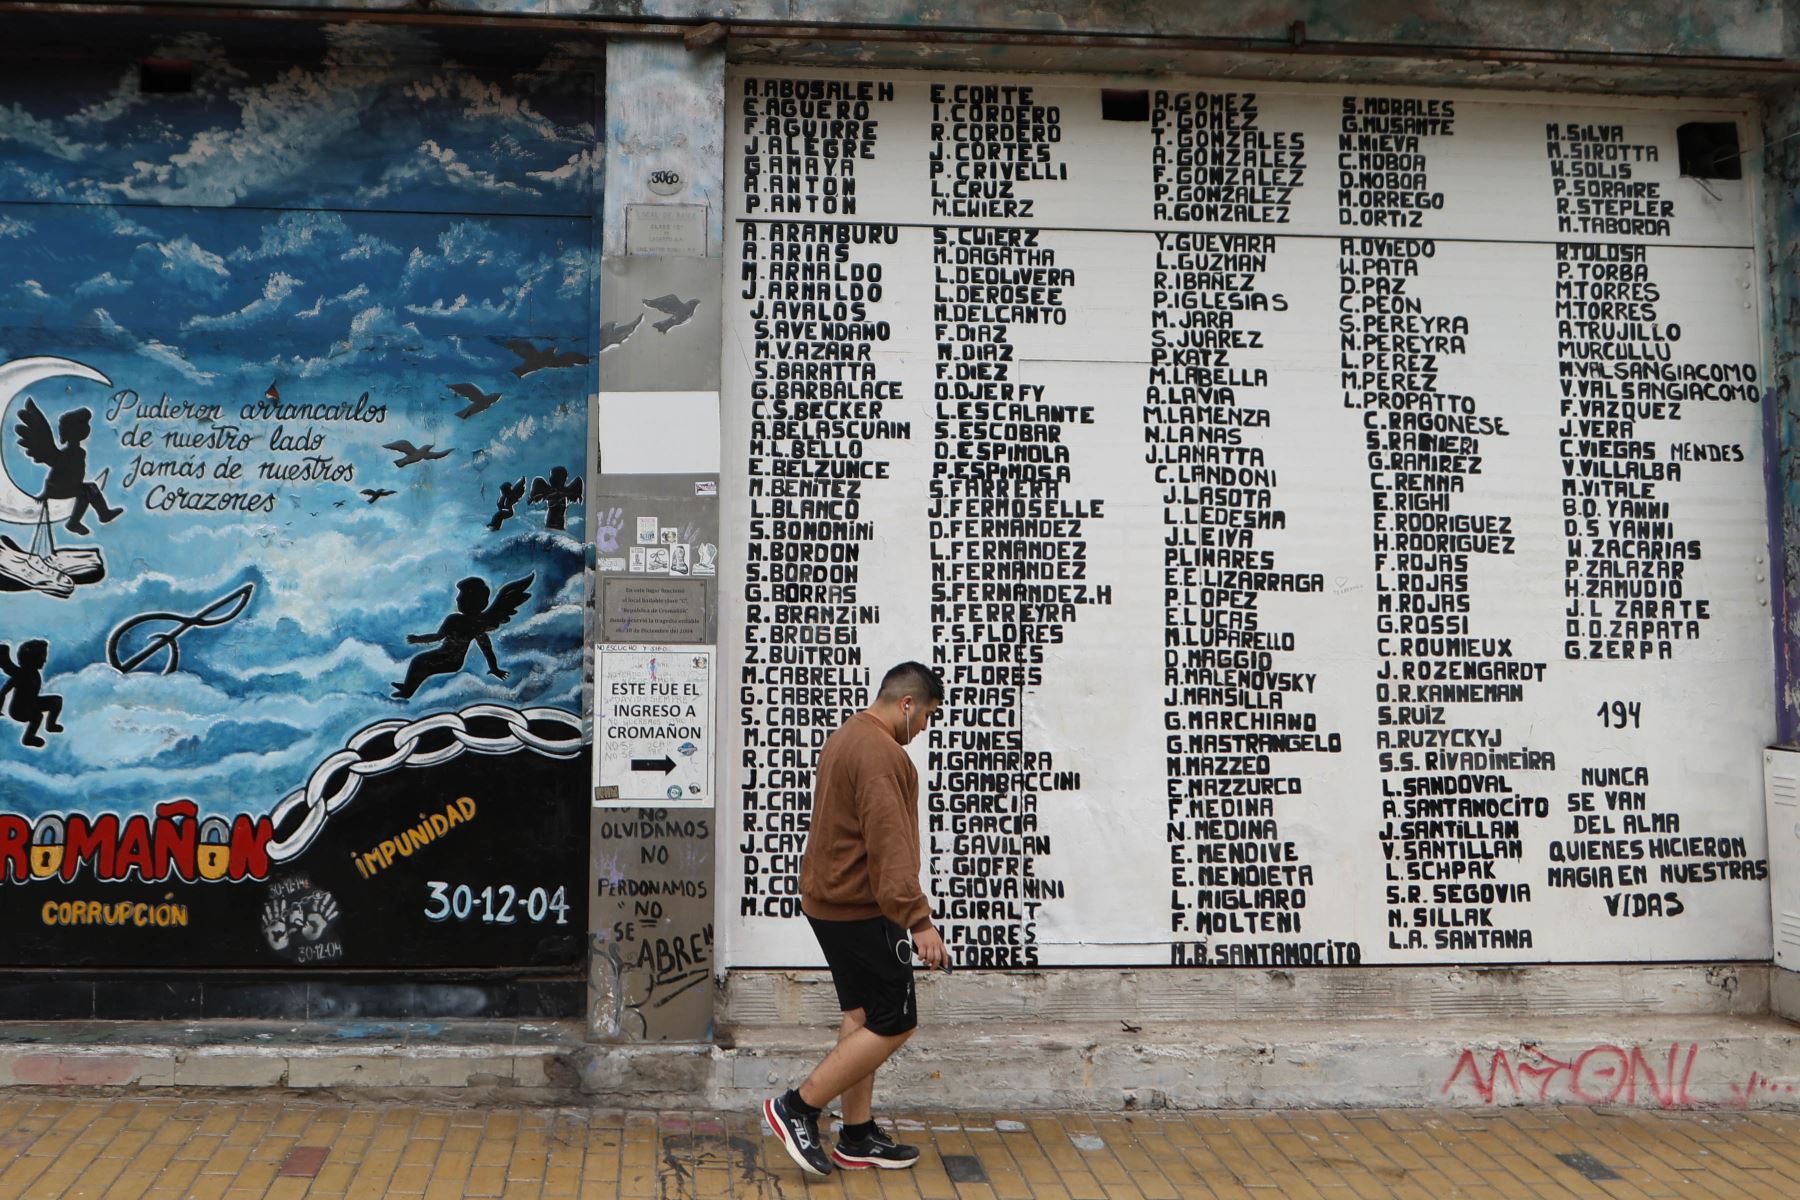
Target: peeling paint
(1781, 240)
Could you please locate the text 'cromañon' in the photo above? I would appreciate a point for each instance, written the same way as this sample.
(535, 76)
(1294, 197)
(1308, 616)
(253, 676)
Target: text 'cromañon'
(175, 844)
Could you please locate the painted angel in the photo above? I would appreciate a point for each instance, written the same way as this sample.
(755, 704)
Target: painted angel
(67, 478)
(472, 621)
(556, 494)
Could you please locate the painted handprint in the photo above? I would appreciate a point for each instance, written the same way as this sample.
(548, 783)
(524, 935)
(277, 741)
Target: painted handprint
(318, 911)
(299, 914)
(607, 539)
(275, 924)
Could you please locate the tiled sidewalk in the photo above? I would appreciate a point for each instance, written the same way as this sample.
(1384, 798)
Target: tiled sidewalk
(160, 1149)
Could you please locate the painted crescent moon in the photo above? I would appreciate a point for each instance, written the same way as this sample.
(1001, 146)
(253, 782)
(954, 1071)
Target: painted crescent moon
(16, 505)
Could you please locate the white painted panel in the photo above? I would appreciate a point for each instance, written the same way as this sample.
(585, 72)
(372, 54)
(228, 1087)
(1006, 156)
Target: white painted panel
(659, 433)
(1438, 799)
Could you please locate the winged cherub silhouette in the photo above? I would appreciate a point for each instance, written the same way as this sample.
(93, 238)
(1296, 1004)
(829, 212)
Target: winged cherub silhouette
(67, 478)
(472, 621)
(556, 494)
(510, 495)
(22, 696)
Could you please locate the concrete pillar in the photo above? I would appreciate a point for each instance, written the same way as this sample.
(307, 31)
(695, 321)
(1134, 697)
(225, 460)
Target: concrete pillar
(653, 497)
(1781, 417)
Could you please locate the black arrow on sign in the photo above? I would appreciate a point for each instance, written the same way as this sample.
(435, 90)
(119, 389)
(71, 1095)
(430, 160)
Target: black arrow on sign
(665, 764)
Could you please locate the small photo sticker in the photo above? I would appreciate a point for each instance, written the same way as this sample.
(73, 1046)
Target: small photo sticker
(706, 487)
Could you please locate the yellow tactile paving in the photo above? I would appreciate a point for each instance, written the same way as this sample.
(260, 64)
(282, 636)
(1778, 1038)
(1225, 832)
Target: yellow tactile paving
(62, 1148)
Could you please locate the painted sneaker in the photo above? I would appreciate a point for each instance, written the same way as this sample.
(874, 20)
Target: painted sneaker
(876, 1150)
(798, 1135)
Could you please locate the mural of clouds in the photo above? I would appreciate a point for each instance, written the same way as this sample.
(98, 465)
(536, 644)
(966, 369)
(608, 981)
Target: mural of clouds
(282, 275)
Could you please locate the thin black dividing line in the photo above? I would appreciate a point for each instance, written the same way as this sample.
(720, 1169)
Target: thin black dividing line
(345, 209)
(1382, 231)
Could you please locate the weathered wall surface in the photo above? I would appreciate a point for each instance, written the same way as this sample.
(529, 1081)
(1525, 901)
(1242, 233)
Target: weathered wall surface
(1750, 28)
(1780, 163)
(655, 486)
(296, 357)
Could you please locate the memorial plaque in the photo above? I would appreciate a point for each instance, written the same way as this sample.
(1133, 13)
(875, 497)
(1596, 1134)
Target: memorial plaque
(1337, 515)
(660, 610)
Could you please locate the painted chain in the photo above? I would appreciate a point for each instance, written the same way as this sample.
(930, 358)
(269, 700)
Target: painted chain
(392, 744)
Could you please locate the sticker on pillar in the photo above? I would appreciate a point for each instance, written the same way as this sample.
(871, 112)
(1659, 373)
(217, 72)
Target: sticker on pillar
(653, 726)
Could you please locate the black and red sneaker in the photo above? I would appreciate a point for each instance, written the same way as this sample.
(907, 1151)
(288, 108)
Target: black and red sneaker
(799, 1136)
(875, 1149)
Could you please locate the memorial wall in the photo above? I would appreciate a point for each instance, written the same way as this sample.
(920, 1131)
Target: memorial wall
(1337, 514)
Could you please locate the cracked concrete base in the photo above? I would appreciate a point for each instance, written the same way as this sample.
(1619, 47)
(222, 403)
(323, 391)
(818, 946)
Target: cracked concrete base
(1656, 1062)
(509, 1061)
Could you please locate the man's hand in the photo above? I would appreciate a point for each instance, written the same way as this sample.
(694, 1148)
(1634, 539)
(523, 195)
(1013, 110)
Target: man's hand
(928, 944)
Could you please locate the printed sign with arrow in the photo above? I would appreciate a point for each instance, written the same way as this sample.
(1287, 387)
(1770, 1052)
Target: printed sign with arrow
(653, 726)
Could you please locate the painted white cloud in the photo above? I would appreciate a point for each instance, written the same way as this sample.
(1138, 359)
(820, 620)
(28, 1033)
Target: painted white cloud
(101, 285)
(353, 661)
(296, 233)
(12, 227)
(189, 263)
(276, 288)
(577, 170)
(320, 305)
(124, 98)
(375, 328)
(285, 127)
(462, 308)
(368, 246)
(19, 126)
(479, 100)
(151, 348)
(362, 570)
(434, 162)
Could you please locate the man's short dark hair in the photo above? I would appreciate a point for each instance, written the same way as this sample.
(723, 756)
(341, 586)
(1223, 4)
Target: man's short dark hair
(912, 679)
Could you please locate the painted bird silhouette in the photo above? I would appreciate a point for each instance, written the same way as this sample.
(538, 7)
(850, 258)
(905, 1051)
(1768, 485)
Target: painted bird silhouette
(679, 310)
(615, 333)
(479, 401)
(375, 494)
(410, 454)
(549, 359)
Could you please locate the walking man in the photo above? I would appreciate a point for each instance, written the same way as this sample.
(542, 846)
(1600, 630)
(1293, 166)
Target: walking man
(859, 889)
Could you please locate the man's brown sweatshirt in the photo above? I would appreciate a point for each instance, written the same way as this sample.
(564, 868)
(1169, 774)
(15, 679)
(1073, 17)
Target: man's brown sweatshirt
(862, 855)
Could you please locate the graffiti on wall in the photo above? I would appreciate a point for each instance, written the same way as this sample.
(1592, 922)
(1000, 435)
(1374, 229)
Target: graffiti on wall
(1648, 1076)
(279, 683)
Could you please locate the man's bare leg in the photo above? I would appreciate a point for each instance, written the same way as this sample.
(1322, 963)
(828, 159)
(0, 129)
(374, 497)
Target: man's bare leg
(858, 1098)
(849, 1070)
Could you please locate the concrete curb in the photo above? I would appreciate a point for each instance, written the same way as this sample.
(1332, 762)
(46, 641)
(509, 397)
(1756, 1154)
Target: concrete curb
(1656, 1062)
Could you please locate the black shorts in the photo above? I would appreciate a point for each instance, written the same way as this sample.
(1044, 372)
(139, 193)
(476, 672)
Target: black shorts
(871, 964)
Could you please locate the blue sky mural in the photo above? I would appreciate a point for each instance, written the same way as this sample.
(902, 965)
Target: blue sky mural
(340, 305)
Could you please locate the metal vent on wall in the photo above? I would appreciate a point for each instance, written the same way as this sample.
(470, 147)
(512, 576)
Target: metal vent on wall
(1781, 806)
